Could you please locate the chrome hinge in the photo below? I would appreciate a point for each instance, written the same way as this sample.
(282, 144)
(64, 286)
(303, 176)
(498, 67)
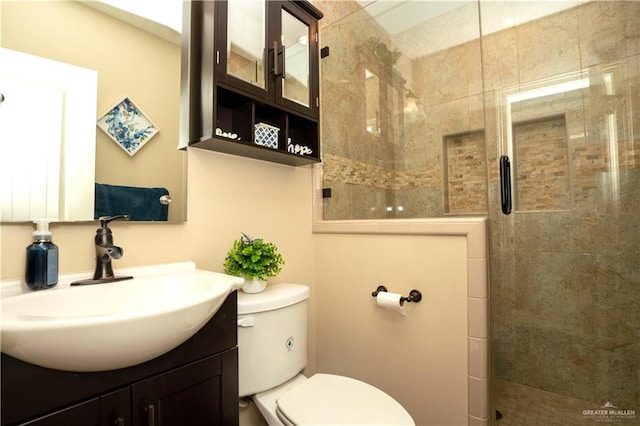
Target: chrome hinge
(217, 57)
(317, 102)
(317, 40)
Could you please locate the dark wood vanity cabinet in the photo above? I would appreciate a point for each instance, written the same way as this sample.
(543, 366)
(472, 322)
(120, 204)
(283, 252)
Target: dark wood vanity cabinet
(190, 395)
(113, 408)
(194, 384)
(252, 74)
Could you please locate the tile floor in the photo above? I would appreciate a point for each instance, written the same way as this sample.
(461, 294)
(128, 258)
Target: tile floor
(526, 406)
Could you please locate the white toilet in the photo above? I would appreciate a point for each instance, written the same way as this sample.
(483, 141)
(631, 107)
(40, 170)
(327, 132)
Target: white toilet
(272, 347)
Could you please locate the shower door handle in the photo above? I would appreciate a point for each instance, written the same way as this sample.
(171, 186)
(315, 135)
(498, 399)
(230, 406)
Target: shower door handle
(505, 184)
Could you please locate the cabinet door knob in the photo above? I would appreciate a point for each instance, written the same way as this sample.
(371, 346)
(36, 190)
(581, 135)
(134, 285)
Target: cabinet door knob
(151, 414)
(278, 66)
(119, 421)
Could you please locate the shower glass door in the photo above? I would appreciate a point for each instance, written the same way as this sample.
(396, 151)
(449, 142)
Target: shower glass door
(562, 85)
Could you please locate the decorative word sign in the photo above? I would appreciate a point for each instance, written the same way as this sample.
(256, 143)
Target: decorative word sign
(230, 135)
(298, 149)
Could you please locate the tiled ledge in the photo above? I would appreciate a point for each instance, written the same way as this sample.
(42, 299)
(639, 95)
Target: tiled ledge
(473, 228)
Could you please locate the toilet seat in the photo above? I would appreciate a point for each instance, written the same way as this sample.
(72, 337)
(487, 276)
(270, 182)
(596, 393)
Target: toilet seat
(336, 400)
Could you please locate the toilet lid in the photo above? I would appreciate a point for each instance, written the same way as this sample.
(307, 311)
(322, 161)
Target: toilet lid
(336, 400)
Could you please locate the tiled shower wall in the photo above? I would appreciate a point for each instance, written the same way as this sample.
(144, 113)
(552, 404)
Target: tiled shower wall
(451, 101)
(566, 265)
(408, 177)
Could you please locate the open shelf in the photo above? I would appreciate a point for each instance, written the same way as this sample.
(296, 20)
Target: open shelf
(235, 117)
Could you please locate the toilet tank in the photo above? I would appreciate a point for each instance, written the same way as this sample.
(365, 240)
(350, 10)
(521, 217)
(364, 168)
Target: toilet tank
(272, 336)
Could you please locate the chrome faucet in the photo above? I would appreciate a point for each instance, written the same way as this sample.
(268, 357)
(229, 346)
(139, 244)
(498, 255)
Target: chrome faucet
(105, 251)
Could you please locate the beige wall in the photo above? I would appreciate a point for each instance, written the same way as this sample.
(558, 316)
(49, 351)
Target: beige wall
(420, 359)
(440, 382)
(227, 195)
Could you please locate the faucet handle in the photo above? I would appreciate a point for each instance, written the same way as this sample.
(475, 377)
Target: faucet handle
(104, 220)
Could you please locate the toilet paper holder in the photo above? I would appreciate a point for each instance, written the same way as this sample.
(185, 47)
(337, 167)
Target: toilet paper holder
(414, 295)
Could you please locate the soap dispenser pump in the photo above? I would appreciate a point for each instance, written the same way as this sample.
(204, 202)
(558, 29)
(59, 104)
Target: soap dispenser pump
(42, 258)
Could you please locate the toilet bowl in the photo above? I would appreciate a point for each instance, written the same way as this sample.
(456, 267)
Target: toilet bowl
(272, 351)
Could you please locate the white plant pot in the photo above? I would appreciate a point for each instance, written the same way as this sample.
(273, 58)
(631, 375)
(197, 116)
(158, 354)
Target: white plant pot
(254, 286)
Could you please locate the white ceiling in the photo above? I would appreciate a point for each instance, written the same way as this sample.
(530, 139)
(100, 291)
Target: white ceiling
(165, 12)
(417, 27)
(161, 18)
(396, 16)
(420, 27)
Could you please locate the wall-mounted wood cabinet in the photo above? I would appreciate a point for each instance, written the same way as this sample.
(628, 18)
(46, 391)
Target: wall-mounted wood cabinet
(251, 71)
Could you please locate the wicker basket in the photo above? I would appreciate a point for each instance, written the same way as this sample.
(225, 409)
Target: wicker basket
(266, 135)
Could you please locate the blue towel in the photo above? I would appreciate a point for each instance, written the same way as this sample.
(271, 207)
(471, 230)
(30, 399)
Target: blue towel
(139, 203)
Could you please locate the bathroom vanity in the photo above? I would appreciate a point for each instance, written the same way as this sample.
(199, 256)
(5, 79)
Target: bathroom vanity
(194, 384)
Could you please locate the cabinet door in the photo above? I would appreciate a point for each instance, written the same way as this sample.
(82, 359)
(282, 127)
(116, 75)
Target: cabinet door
(296, 71)
(268, 49)
(115, 408)
(199, 393)
(241, 45)
(84, 414)
(112, 409)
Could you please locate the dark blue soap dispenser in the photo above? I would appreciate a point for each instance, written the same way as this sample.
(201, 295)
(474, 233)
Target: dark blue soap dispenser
(42, 258)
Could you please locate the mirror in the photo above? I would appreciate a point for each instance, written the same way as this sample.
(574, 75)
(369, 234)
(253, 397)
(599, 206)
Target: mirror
(245, 43)
(295, 40)
(134, 58)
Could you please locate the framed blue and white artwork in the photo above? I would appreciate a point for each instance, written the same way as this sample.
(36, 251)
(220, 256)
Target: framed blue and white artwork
(127, 125)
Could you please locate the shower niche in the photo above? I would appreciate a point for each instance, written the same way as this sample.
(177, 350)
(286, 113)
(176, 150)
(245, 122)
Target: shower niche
(541, 164)
(465, 173)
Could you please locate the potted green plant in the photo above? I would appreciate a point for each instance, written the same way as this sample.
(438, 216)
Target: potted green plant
(255, 260)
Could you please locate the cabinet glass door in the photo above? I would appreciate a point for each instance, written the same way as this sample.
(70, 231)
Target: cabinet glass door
(246, 40)
(295, 41)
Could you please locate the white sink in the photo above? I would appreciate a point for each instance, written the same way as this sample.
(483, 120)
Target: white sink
(113, 325)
